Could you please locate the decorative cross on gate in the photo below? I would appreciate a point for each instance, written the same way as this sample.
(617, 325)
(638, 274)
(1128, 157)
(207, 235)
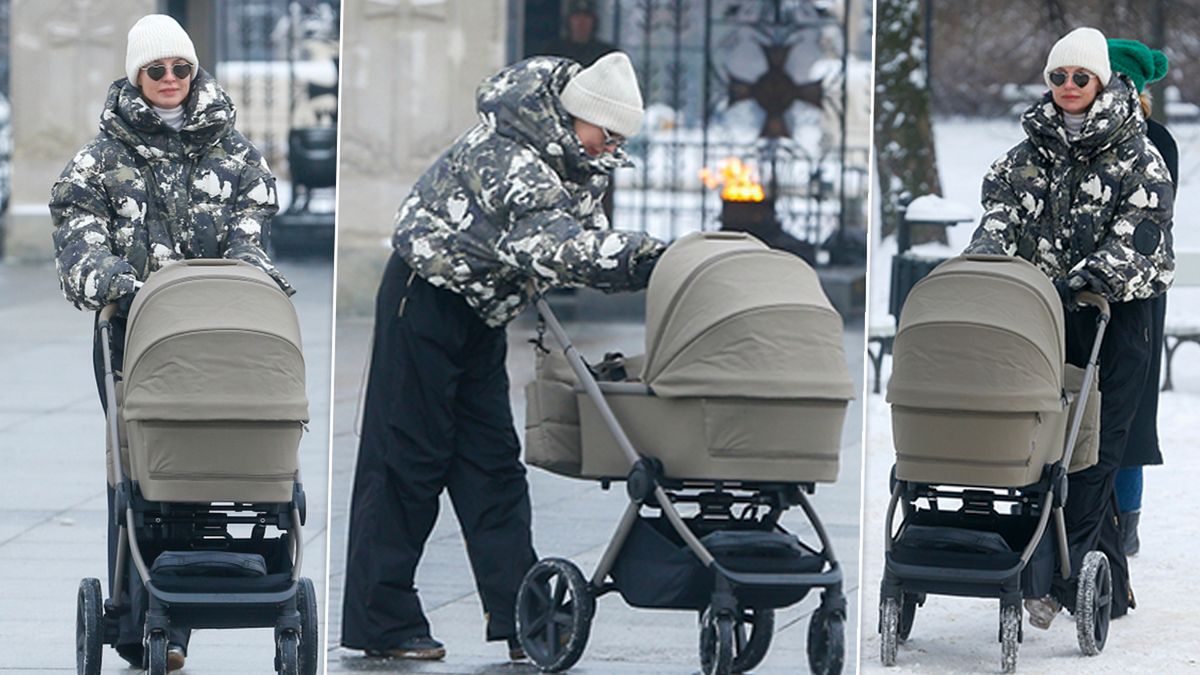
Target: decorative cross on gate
(775, 91)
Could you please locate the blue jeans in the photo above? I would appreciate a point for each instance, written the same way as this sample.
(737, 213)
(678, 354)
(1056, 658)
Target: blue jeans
(1129, 489)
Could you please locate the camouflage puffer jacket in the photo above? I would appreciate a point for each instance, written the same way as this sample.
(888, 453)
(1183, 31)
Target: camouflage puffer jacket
(1094, 210)
(516, 202)
(211, 195)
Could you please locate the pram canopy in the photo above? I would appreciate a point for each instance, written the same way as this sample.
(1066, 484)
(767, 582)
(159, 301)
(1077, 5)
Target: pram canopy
(728, 316)
(213, 340)
(1009, 314)
(213, 396)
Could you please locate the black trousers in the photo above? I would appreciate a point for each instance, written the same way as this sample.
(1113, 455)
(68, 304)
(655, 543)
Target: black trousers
(132, 624)
(437, 416)
(1091, 508)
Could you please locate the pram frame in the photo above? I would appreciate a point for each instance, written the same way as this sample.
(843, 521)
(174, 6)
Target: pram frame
(242, 609)
(1051, 494)
(646, 487)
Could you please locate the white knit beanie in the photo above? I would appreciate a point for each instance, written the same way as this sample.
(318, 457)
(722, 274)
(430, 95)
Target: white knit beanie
(607, 95)
(1081, 48)
(154, 37)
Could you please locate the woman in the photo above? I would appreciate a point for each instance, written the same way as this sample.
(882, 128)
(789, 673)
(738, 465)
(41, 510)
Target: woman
(1088, 200)
(512, 207)
(168, 177)
(1143, 66)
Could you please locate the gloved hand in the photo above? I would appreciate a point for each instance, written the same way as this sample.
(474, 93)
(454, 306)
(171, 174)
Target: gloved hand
(1066, 294)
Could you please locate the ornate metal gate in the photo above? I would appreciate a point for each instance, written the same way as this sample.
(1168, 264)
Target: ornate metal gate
(762, 82)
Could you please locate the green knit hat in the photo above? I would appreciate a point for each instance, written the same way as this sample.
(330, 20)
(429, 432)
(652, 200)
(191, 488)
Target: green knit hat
(1142, 64)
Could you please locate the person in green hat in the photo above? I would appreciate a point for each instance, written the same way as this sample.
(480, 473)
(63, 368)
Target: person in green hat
(1144, 66)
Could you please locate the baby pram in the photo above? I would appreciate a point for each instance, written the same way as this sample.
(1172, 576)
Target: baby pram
(987, 420)
(207, 420)
(738, 413)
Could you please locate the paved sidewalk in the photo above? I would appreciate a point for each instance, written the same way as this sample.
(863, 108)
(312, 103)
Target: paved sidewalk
(573, 519)
(52, 504)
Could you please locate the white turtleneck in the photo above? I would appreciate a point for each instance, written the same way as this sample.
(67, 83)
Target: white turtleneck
(173, 117)
(1074, 124)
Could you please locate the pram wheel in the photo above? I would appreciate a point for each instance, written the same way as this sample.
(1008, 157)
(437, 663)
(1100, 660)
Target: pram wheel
(310, 639)
(1010, 637)
(750, 650)
(716, 643)
(1093, 603)
(89, 627)
(156, 653)
(889, 630)
(826, 641)
(289, 654)
(554, 614)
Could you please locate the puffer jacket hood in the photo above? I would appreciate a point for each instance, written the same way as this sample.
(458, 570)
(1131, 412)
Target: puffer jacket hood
(208, 115)
(522, 103)
(1114, 117)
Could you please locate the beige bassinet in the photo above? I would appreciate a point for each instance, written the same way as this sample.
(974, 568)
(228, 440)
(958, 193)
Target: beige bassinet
(979, 387)
(744, 377)
(213, 397)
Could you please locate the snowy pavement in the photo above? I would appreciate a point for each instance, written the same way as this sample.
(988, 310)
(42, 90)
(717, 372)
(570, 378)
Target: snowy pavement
(52, 506)
(959, 635)
(572, 519)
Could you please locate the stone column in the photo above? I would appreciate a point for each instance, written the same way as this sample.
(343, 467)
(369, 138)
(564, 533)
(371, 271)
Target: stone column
(409, 71)
(65, 53)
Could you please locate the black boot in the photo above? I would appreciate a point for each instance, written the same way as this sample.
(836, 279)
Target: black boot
(1129, 534)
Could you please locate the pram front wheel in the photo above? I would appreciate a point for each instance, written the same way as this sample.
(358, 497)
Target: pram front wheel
(826, 641)
(1093, 603)
(554, 614)
(716, 643)
(889, 630)
(1010, 637)
(289, 654)
(310, 638)
(750, 650)
(156, 653)
(89, 627)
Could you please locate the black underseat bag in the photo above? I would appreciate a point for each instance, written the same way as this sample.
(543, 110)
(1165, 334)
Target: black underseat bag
(208, 564)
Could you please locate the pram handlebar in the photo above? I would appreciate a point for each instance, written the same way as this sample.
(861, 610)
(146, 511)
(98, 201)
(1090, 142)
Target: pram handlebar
(106, 314)
(1094, 300)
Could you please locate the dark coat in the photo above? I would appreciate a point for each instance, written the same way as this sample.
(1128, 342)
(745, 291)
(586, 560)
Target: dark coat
(210, 195)
(1143, 447)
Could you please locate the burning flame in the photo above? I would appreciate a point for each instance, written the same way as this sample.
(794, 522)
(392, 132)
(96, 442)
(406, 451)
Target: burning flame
(740, 183)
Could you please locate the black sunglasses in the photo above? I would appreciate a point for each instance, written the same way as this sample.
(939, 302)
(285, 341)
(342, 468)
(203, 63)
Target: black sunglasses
(1058, 78)
(158, 71)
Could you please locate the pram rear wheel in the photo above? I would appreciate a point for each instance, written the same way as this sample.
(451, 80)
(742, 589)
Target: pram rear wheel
(1093, 603)
(310, 638)
(554, 614)
(89, 627)
(289, 654)
(716, 643)
(1010, 637)
(889, 630)
(156, 653)
(750, 650)
(826, 641)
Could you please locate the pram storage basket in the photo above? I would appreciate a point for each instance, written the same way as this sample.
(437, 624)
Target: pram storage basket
(214, 398)
(744, 377)
(978, 387)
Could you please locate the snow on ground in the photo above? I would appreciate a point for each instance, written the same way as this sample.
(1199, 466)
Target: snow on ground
(960, 634)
